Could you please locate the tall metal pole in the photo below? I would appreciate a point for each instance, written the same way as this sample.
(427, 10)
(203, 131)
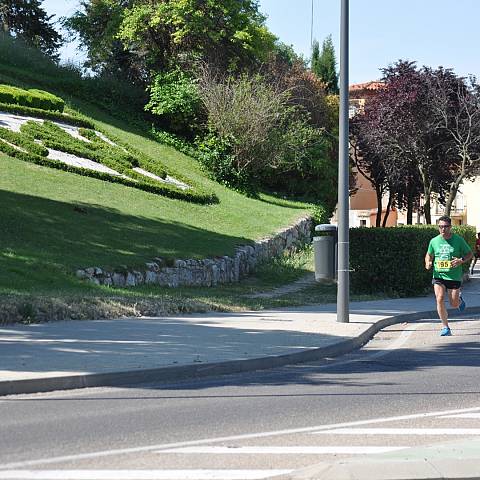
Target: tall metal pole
(343, 288)
(311, 30)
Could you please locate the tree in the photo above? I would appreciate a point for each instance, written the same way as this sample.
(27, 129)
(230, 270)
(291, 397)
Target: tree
(96, 24)
(366, 157)
(28, 20)
(159, 35)
(404, 137)
(324, 64)
(455, 104)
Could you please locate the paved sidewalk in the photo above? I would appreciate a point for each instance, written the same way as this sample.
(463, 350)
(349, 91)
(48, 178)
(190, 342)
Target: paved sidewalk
(75, 354)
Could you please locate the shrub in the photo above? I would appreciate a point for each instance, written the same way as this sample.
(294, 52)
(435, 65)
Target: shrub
(23, 142)
(121, 158)
(174, 98)
(46, 114)
(391, 260)
(31, 98)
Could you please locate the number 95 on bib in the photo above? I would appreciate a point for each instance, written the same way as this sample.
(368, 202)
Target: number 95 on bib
(443, 264)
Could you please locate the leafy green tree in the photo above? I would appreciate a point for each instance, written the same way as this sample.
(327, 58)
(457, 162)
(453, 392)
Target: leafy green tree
(141, 36)
(324, 64)
(225, 33)
(96, 25)
(28, 20)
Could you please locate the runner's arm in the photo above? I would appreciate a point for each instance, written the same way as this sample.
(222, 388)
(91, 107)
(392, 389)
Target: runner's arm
(428, 261)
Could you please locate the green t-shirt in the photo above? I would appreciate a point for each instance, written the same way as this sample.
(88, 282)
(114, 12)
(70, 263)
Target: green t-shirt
(443, 252)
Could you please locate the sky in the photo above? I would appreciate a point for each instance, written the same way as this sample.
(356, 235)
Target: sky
(430, 32)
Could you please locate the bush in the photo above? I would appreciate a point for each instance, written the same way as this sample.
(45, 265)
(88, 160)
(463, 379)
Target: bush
(31, 98)
(174, 98)
(121, 158)
(46, 114)
(391, 260)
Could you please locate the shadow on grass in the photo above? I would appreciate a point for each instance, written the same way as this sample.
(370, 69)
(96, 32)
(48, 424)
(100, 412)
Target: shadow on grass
(42, 237)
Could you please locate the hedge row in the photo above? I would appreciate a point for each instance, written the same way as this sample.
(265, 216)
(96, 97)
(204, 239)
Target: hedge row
(158, 189)
(46, 115)
(23, 142)
(31, 98)
(115, 157)
(391, 260)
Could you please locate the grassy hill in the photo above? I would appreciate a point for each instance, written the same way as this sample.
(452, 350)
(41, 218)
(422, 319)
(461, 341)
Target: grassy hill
(53, 222)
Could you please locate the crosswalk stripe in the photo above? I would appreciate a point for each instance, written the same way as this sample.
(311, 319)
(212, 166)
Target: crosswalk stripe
(401, 431)
(140, 474)
(296, 450)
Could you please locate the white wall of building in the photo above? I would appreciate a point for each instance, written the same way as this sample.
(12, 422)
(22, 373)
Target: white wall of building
(471, 191)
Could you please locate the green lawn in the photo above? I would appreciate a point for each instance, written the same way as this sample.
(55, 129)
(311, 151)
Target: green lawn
(53, 222)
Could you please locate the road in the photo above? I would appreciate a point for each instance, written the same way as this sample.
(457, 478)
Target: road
(405, 389)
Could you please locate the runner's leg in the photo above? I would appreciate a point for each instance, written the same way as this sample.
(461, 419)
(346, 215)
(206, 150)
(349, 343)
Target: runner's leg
(440, 297)
(454, 297)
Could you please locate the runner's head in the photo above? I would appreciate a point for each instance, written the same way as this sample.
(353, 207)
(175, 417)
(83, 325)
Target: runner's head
(445, 226)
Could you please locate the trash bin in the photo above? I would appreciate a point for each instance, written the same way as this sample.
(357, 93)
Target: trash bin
(325, 253)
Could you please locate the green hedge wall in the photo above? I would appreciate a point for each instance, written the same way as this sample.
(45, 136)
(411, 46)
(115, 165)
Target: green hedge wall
(46, 114)
(117, 157)
(391, 260)
(31, 98)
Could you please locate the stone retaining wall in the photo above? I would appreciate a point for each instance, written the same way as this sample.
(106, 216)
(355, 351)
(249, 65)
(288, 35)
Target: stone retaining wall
(207, 272)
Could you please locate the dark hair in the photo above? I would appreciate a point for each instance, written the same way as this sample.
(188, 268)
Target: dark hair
(444, 218)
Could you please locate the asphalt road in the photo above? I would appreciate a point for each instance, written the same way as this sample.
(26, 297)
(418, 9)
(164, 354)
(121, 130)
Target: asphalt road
(407, 388)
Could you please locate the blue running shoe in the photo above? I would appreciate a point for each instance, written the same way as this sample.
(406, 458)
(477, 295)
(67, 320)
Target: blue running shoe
(446, 332)
(462, 305)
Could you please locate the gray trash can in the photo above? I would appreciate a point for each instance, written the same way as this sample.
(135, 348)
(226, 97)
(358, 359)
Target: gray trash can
(325, 253)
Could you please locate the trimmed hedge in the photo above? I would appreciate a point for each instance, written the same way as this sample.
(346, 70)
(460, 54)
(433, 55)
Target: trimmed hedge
(31, 98)
(391, 260)
(23, 142)
(118, 157)
(46, 114)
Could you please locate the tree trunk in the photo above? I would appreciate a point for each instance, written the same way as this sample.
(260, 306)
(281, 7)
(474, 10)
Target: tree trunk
(427, 210)
(410, 209)
(387, 211)
(378, 220)
(452, 194)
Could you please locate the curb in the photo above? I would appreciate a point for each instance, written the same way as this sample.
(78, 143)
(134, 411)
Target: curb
(185, 372)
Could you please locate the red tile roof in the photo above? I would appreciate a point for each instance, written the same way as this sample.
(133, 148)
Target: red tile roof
(373, 85)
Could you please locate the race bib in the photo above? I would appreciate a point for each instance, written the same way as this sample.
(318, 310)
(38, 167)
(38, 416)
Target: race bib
(443, 264)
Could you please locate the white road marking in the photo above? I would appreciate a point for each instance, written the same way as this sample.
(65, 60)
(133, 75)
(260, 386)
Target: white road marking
(269, 450)
(248, 436)
(463, 415)
(140, 474)
(401, 431)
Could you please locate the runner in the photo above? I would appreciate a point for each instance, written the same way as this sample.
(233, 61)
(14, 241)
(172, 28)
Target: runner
(477, 252)
(446, 253)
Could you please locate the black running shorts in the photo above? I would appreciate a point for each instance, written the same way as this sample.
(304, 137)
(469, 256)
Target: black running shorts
(449, 284)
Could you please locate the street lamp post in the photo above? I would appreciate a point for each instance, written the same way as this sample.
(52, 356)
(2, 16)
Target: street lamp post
(343, 286)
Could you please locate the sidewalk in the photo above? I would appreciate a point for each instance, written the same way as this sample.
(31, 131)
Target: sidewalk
(76, 354)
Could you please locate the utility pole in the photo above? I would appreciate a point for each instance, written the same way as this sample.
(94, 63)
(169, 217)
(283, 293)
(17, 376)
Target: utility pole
(343, 275)
(311, 30)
